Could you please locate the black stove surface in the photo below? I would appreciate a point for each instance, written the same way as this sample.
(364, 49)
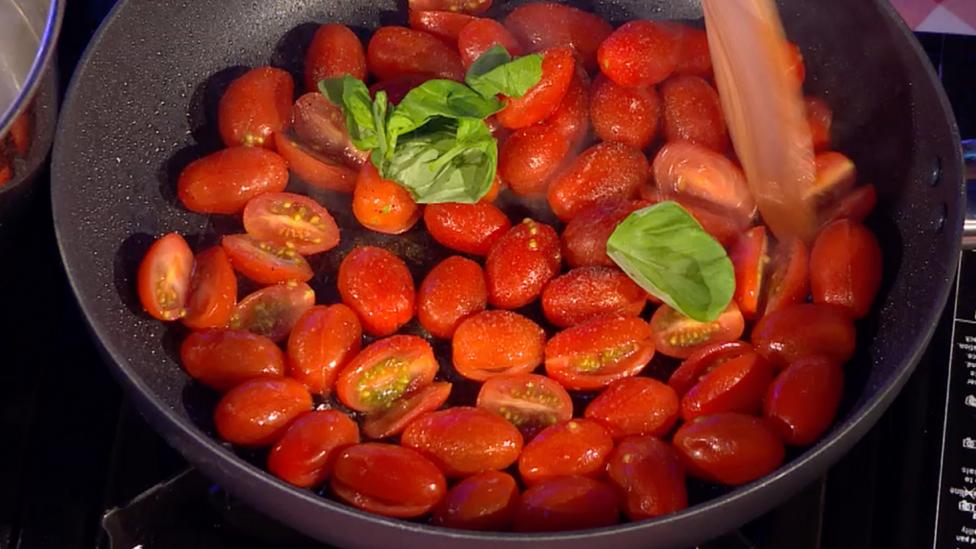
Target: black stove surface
(79, 468)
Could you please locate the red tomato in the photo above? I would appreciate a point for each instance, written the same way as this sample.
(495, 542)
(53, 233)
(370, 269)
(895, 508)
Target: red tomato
(397, 88)
(585, 293)
(789, 278)
(530, 402)
(694, 57)
(572, 117)
(802, 402)
(398, 51)
(213, 290)
(445, 25)
(6, 170)
(255, 106)
(604, 171)
(224, 181)
(257, 412)
(164, 277)
(678, 336)
(320, 126)
(542, 99)
(222, 359)
(598, 352)
(493, 343)
(378, 286)
(639, 53)
(404, 410)
(480, 35)
(692, 112)
(845, 267)
(313, 168)
(529, 158)
(520, 264)
(20, 133)
(584, 240)
(650, 475)
(796, 66)
(543, 25)
(493, 191)
(382, 205)
(821, 119)
(451, 292)
(722, 227)
(306, 453)
(804, 330)
(485, 501)
(474, 7)
(835, 178)
(384, 371)
(635, 406)
(467, 228)
(274, 310)
(387, 480)
(736, 385)
(463, 440)
(728, 448)
(567, 503)
(704, 360)
(627, 115)
(856, 206)
(321, 342)
(335, 51)
(572, 447)
(292, 220)
(265, 262)
(749, 255)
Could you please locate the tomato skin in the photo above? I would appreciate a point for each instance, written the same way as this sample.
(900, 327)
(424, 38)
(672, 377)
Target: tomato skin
(639, 53)
(273, 311)
(397, 88)
(749, 256)
(480, 35)
(650, 475)
(306, 453)
(313, 168)
(796, 65)
(678, 336)
(567, 503)
(322, 341)
(382, 205)
(265, 262)
(164, 277)
(320, 127)
(222, 359)
(493, 343)
(604, 171)
(466, 228)
(463, 441)
(803, 330)
(845, 267)
(728, 448)
(404, 410)
(584, 240)
(520, 264)
(736, 385)
(474, 7)
(598, 352)
(377, 285)
(692, 112)
(704, 360)
(388, 480)
(530, 402)
(572, 447)
(627, 115)
(255, 106)
(384, 371)
(543, 25)
(694, 57)
(803, 401)
(258, 411)
(635, 406)
(820, 118)
(213, 290)
(445, 25)
(224, 181)
(585, 293)
(529, 158)
(397, 51)
(485, 501)
(856, 206)
(291, 219)
(451, 292)
(335, 50)
(542, 99)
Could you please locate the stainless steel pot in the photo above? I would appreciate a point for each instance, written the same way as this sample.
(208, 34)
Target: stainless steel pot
(28, 34)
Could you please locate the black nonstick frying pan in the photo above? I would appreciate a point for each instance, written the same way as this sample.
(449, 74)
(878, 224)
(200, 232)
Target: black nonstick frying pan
(141, 106)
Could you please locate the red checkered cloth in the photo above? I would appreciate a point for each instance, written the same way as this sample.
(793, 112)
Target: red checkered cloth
(947, 16)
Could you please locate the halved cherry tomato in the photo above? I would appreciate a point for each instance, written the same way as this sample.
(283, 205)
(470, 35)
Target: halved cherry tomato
(639, 53)
(485, 501)
(474, 7)
(567, 503)
(213, 290)
(588, 292)
(693, 113)
(789, 278)
(265, 262)
(274, 310)
(164, 277)
(604, 171)
(335, 50)
(404, 410)
(382, 205)
(694, 57)
(529, 158)
(521, 263)
(20, 132)
(584, 240)
(635, 406)
(821, 119)
(320, 126)
(293, 220)
(222, 358)
(572, 447)
(480, 35)
(257, 412)
(736, 385)
(856, 206)
(377, 285)
(463, 441)
(845, 267)
(451, 292)
(493, 343)
(399, 51)
(543, 25)
(224, 181)
(306, 453)
(627, 115)
(255, 106)
(704, 360)
(650, 475)
(678, 336)
(384, 371)
(313, 168)
(467, 228)
(805, 330)
(398, 88)
(749, 255)
(321, 342)
(728, 448)
(722, 227)
(445, 25)
(530, 402)
(598, 352)
(802, 402)
(387, 480)
(542, 99)
(836, 175)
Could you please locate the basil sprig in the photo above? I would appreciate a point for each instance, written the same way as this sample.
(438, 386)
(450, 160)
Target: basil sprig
(668, 253)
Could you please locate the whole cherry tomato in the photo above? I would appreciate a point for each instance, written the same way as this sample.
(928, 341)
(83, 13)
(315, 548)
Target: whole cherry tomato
(543, 25)
(639, 53)
(384, 371)
(258, 411)
(452, 291)
(572, 447)
(728, 448)
(213, 290)
(598, 352)
(222, 358)
(572, 117)
(377, 285)
(474, 7)
(399, 51)
(650, 475)
(255, 106)
(736, 385)
(224, 181)
(635, 406)
(628, 115)
(585, 293)
(445, 25)
(322, 341)
(529, 401)
(485, 501)
(529, 158)
(393, 420)
(845, 267)
(692, 112)
(306, 453)
(398, 88)
(802, 402)
(164, 277)
(584, 240)
(521, 263)
(567, 503)
(314, 168)
(820, 118)
(804, 330)
(694, 57)
(463, 441)
(542, 99)
(480, 35)
(704, 360)
(678, 336)
(492, 343)
(604, 171)
(467, 228)
(387, 480)
(335, 50)
(382, 205)
(789, 276)
(290, 219)
(749, 256)
(273, 311)
(265, 262)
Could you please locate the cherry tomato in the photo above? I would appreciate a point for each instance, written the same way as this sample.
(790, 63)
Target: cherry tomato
(789, 278)
(258, 411)
(530, 402)
(480, 35)
(572, 117)
(543, 25)
(474, 7)
(678, 336)
(164, 277)
(694, 57)
(20, 132)
(255, 106)
(222, 359)
(542, 99)
(467, 228)
(728, 448)
(274, 310)
(856, 206)
(377, 285)
(802, 402)
(463, 440)
(321, 342)
(804, 330)
(604, 171)
(485, 501)
(639, 53)
(749, 255)
(704, 360)
(835, 177)
(692, 112)
(335, 51)
(567, 503)
(384, 371)
(572, 447)
(314, 168)
(398, 88)
(320, 126)
(635, 406)
(520, 264)
(493, 343)
(627, 115)
(224, 181)
(845, 267)
(404, 410)
(529, 158)
(306, 453)
(721, 226)
(399, 51)
(650, 475)
(588, 292)
(292, 220)
(451, 292)
(265, 262)
(736, 385)
(821, 119)
(387, 480)
(6, 170)
(213, 290)
(584, 240)
(382, 205)
(796, 66)
(598, 352)
(445, 25)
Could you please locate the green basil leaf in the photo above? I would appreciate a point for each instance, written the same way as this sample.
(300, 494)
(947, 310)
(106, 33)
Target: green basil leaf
(495, 73)
(668, 253)
(352, 96)
(494, 57)
(438, 98)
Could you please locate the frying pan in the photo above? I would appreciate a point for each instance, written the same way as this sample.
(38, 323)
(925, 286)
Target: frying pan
(141, 106)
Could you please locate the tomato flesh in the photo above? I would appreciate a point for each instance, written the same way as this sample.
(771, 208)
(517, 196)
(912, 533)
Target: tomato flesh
(222, 358)
(678, 336)
(313, 168)
(384, 371)
(320, 126)
(572, 447)
(802, 402)
(736, 385)
(387, 480)
(292, 220)
(789, 279)
(323, 340)
(255, 106)
(273, 311)
(463, 441)
(650, 475)
(163, 281)
(485, 501)
(598, 352)
(749, 256)
(521, 263)
(258, 412)
(635, 406)
(377, 285)
(213, 290)
(529, 401)
(728, 448)
(493, 343)
(452, 291)
(704, 360)
(265, 262)
(405, 410)
(845, 267)
(306, 453)
(805, 330)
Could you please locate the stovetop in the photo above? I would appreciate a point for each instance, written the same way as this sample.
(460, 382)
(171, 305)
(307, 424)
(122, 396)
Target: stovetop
(79, 468)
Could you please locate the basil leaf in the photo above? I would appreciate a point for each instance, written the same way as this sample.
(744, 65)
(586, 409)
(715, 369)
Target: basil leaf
(352, 96)
(438, 98)
(495, 73)
(493, 57)
(668, 253)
